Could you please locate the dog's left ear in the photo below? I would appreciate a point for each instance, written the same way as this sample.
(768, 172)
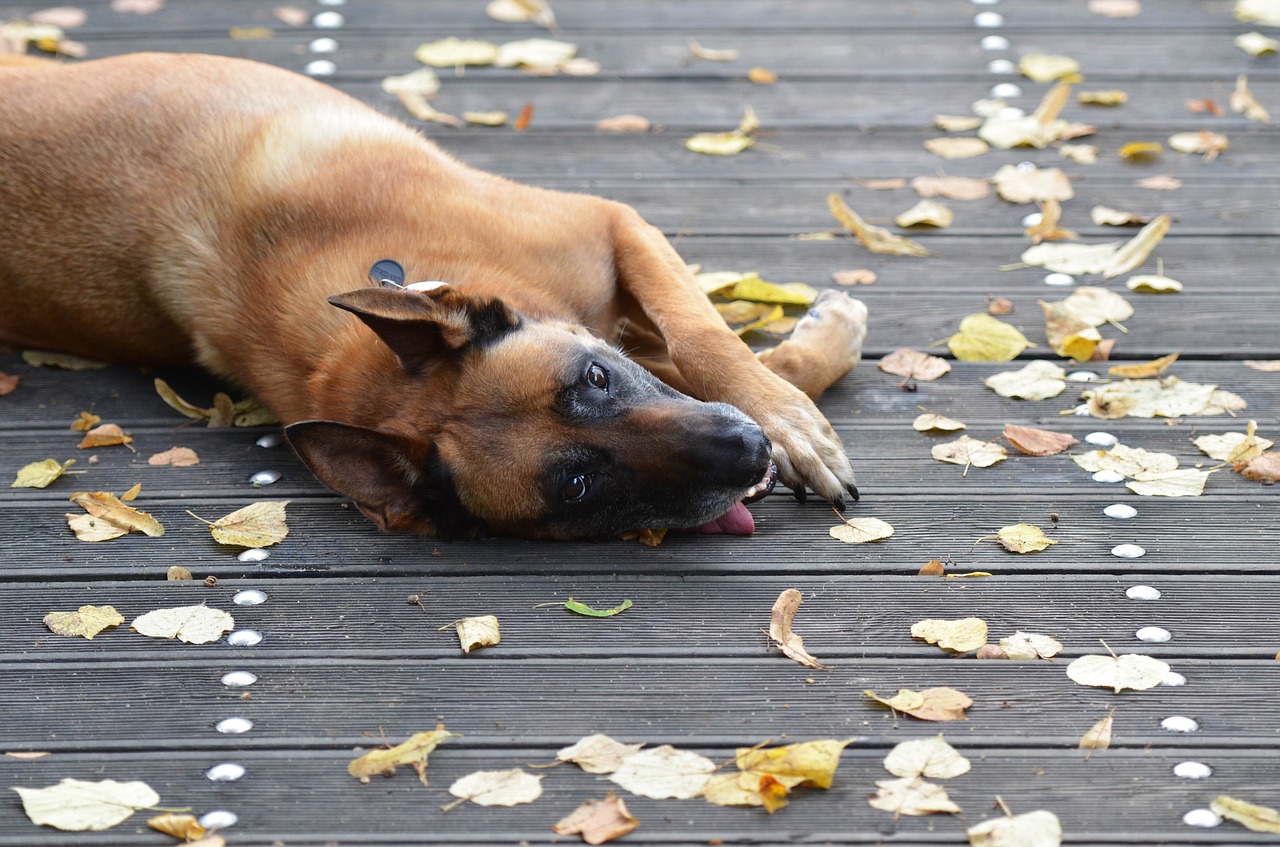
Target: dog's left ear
(420, 325)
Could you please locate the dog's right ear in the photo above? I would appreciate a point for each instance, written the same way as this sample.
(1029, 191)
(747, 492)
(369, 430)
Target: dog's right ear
(395, 480)
(420, 325)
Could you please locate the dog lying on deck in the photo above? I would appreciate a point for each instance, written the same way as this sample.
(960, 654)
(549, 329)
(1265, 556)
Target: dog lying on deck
(169, 209)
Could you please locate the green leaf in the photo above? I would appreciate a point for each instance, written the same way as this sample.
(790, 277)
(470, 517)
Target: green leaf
(583, 609)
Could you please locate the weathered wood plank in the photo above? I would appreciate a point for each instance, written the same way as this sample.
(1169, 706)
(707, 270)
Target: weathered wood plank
(843, 618)
(1094, 796)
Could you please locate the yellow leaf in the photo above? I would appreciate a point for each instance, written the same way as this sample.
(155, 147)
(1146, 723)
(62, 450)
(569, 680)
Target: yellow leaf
(185, 827)
(249, 33)
(983, 338)
(762, 76)
(1071, 258)
(413, 752)
(87, 621)
(1256, 44)
(813, 763)
(1234, 446)
(788, 641)
(1209, 143)
(956, 123)
(1044, 67)
(1128, 461)
(521, 11)
(874, 238)
(1028, 645)
(40, 474)
(85, 422)
(1140, 151)
(105, 506)
(190, 624)
(1250, 816)
(74, 805)
(926, 213)
(1111, 97)
(493, 118)
(534, 53)
(452, 52)
(719, 143)
(88, 528)
(960, 635)
(1106, 216)
(711, 55)
(46, 359)
(1145, 369)
(1024, 538)
(1037, 442)
(132, 493)
(757, 290)
(259, 524)
(106, 435)
(954, 187)
(1039, 380)
(861, 530)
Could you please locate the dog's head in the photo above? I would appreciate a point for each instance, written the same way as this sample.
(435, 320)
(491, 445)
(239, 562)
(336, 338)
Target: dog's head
(527, 427)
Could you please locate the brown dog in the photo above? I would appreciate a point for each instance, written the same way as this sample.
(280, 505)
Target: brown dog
(173, 209)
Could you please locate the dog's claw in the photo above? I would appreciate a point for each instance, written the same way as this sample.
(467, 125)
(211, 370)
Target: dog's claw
(853, 492)
(800, 493)
(838, 502)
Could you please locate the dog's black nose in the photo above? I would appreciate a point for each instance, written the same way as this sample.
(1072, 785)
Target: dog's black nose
(737, 455)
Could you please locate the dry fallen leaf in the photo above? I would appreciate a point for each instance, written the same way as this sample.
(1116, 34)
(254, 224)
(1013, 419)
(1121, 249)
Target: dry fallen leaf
(178, 457)
(106, 435)
(1265, 12)
(1037, 442)
(1271, 366)
(185, 827)
(1265, 468)
(969, 452)
(40, 474)
(664, 772)
(789, 642)
(1044, 67)
(1099, 735)
(1234, 447)
(8, 383)
(931, 704)
(1034, 829)
(710, 54)
(623, 123)
(982, 338)
(413, 752)
(926, 213)
(1023, 538)
(891, 184)
(1106, 216)
(1185, 482)
(453, 52)
(1250, 816)
(806, 763)
(952, 187)
(861, 530)
(1160, 182)
(413, 90)
(1038, 380)
(856, 276)
(86, 622)
(1030, 185)
(1242, 100)
(259, 524)
(929, 422)
(1046, 226)
(598, 821)
(961, 635)
(1128, 461)
(762, 76)
(497, 788)
(964, 147)
(522, 11)
(1115, 8)
(1081, 154)
(931, 757)
(74, 805)
(1144, 369)
(1256, 44)
(1029, 645)
(1130, 671)
(491, 118)
(1165, 397)
(85, 422)
(190, 624)
(874, 238)
(1111, 97)
(1140, 151)
(956, 123)
(1211, 144)
(66, 361)
(912, 796)
(913, 364)
(478, 631)
(105, 507)
(598, 753)
(726, 143)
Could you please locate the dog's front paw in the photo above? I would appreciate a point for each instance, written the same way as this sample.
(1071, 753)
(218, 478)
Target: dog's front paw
(807, 451)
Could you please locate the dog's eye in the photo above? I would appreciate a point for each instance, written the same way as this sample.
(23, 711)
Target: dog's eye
(597, 377)
(576, 488)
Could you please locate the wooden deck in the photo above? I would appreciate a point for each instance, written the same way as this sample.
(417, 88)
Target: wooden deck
(345, 661)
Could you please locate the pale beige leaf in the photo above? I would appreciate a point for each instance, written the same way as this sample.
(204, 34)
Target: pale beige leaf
(854, 276)
(1099, 735)
(452, 52)
(413, 752)
(478, 631)
(1075, 259)
(191, 624)
(788, 641)
(1028, 131)
(1265, 12)
(1211, 144)
(1242, 100)
(1128, 461)
(1249, 815)
(1160, 182)
(1234, 446)
(1130, 671)
(105, 506)
(623, 123)
(1271, 366)
(74, 805)
(1081, 154)
(88, 528)
(962, 635)
(498, 788)
(86, 622)
(1037, 442)
(1256, 44)
(1097, 306)
(1185, 482)
(874, 238)
(861, 530)
(40, 474)
(913, 364)
(598, 821)
(1166, 397)
(106, 435)
(598, 753)
(969, 452)
(1023, 538)
(712, 54)
(964, 147)
(522, 11)
(259, 524)
(930, 422)
(493, 118)
(931, 757)
(953, 187)
(719, 143)
(1153, 284)
(931, 704)
(1038, 380)
(1029, 645)
(534, 53)
(926, 213)
(1135, 251)
(1017, 185)
(177, 457)
(66, 361)
(63, 17)
(982, 338)
(1106, 216)
(956, 123)
(1046, 67)
(1034, 829)
(664, 772)
(912, 796)
(1109, 97)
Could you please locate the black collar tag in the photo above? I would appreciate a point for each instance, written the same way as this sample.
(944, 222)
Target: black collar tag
(387, 273)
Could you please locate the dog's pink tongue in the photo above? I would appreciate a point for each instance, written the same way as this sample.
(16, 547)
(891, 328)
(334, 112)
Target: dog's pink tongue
(736, 521)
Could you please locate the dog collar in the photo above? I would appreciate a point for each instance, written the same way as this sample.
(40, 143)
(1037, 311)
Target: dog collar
(388, 273)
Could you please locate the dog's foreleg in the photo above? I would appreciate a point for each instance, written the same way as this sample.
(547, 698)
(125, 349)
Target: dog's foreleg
(825, 345)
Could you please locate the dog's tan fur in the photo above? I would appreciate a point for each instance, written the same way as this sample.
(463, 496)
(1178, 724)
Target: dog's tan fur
(172, 209)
